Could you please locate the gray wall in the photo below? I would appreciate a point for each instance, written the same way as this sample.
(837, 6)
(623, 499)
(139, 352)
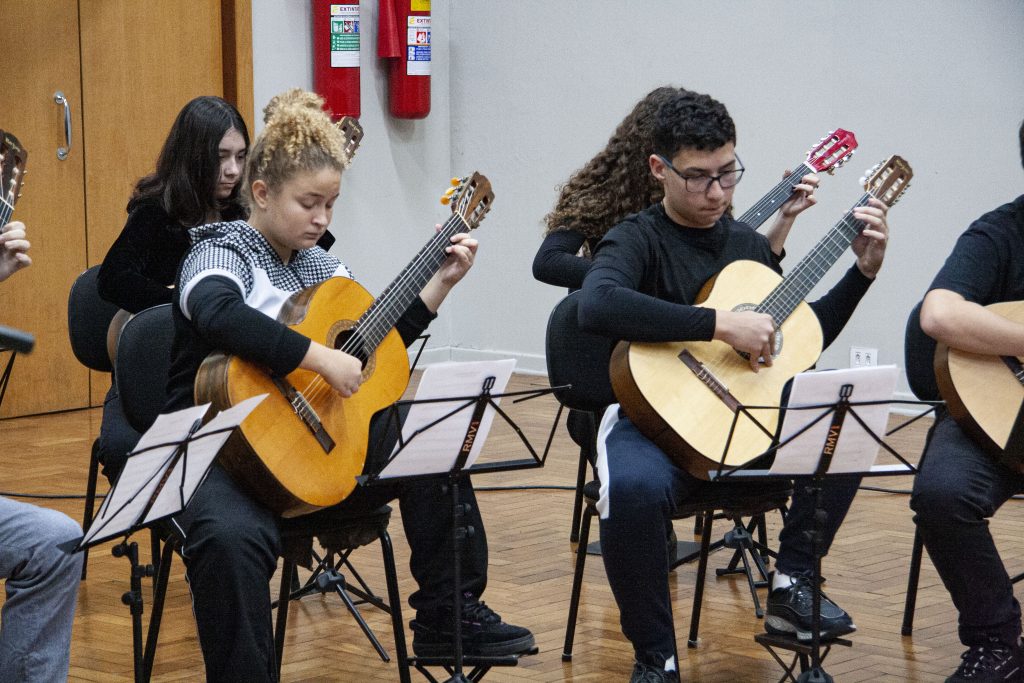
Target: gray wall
(527, 91)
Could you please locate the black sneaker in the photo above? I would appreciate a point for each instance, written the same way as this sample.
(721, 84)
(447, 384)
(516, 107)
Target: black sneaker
(789, 612)
(484, 634)
(992, 662)
(642, 673)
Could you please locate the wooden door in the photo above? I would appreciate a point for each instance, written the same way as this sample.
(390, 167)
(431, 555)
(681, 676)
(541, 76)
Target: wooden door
(40, 55)
(140, 63)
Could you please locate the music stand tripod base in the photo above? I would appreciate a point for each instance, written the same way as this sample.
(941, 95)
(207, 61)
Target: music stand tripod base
(801, 656)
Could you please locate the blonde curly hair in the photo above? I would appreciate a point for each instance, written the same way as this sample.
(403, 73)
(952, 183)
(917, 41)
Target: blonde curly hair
(298, 136)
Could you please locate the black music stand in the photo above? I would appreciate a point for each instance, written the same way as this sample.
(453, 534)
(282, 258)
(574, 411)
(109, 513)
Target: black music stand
(797, 441)
(457, 426)
(159, 479)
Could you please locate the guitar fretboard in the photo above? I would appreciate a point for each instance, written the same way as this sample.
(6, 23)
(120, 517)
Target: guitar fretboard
(784, 299)
(769, 204)
(385, 311)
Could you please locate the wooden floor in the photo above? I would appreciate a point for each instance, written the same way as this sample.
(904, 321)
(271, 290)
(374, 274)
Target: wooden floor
(531, 571)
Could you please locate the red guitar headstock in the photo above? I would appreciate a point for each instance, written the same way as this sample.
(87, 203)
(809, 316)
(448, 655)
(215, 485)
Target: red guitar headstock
(834, 150)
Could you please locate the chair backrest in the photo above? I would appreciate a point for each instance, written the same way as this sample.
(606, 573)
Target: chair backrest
(143, 363)
(918, 358)
(89, 317)
(577, 358)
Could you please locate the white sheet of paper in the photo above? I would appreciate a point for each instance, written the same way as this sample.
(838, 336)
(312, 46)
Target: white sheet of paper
(144, 469)
(855, 450)
(188, 473)
(435, 450)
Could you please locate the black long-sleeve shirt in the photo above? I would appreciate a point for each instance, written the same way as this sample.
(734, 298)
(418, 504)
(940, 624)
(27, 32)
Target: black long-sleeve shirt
(557, 261)
(648, 271)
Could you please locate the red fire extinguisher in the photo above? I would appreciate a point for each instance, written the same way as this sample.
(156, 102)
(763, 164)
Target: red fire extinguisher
(336, 55)
(404, 41)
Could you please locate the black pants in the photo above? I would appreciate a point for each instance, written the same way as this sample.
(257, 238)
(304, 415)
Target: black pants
(117, 437)
(231, 548)
(958, 488)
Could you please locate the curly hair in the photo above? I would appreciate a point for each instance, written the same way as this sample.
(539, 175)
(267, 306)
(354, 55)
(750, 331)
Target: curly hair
(617, 181)
(693, 121)
(298, 136)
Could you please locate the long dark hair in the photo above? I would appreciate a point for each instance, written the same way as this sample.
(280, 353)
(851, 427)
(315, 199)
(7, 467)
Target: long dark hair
(617, 181)
(185, 180)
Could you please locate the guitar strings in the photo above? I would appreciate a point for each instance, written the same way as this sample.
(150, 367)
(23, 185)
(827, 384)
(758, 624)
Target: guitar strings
(378, 320)
(368, 329)
(777, 195)
(788, 294)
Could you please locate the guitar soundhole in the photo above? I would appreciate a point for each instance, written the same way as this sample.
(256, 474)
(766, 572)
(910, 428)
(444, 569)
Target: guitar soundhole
(776, 347)
(352, 344)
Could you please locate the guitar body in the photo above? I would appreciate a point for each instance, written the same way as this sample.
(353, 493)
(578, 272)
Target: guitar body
(982, 394)
(677, 410)
(274, 455)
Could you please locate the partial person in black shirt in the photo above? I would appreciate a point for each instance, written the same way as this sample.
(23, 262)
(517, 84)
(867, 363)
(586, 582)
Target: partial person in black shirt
(615, 183)
(960, 485)
(646, 274)
(196, 181)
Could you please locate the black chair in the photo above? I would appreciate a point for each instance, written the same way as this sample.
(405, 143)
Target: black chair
(580, 360)
(89, 318)
(918, 352)
(143, 363)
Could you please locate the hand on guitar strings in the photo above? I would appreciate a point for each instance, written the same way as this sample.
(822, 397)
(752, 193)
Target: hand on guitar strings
(343, 372)
(13, 249)
(869, 245)
(802, 197)
(750, 333)
(460, 259)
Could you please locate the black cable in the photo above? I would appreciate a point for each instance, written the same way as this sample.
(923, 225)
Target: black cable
(52, 497)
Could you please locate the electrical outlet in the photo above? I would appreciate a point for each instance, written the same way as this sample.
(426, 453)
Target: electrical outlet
(863, 357)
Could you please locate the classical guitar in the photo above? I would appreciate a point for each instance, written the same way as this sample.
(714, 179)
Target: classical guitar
(353, 133)
(834, 150)
(13, 158)
(684, 395)
(983, 393)
(304, 445)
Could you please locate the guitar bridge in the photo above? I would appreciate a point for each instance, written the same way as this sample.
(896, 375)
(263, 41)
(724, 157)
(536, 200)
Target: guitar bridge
(305, 413)
(709, 380)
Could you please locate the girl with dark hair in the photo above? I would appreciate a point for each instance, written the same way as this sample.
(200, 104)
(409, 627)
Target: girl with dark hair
(196, 181)
(618, 182)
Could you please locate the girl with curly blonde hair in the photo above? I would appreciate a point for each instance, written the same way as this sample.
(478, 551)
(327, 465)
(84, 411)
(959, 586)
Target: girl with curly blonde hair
(232, 285)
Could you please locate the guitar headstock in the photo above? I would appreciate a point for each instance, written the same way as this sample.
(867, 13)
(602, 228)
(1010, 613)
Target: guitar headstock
(13, 158)
(834, 150)
(470, 198)
(889, 179)
(353, 133)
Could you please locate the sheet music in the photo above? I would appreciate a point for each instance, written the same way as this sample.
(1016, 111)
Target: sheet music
(138, 482)
(188, 473)
(435, 450)
(856, 449)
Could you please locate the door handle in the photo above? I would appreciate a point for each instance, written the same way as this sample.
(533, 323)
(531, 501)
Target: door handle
(62, 152)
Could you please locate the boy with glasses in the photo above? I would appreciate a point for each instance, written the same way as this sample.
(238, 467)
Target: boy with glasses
(646, 275)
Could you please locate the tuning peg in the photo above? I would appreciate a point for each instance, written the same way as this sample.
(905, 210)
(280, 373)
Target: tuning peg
(446, 199)
(456, 182)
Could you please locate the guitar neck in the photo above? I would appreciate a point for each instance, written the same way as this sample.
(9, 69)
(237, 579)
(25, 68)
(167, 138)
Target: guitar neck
(385, 311)
(770, 203)
(795, 287)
